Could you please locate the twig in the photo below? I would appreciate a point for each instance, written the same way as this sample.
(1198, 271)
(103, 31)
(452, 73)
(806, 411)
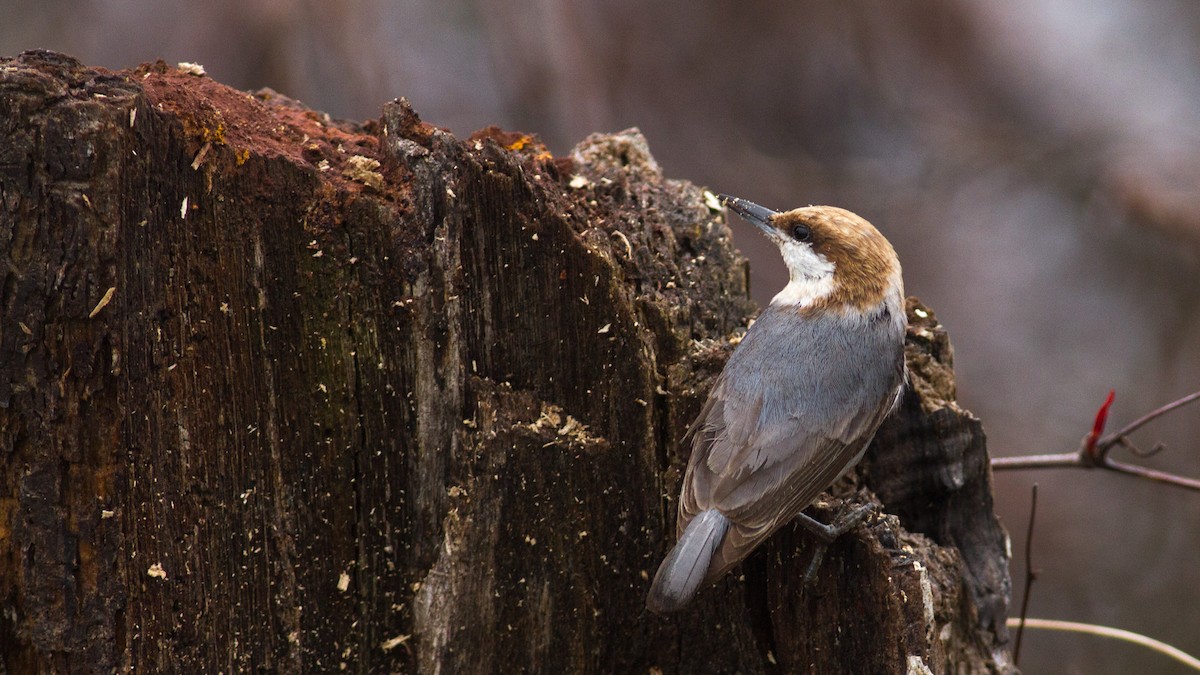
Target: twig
(1030, 574)
(1057, 461)
(1153, 474)
(1115, 633)
(1149, 417)
(1094, 449)
(1128, 445)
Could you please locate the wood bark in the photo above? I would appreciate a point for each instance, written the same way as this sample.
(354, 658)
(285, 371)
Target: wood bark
(284, 393)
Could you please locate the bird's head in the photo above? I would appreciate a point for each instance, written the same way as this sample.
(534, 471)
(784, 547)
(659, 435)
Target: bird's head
(836, 260)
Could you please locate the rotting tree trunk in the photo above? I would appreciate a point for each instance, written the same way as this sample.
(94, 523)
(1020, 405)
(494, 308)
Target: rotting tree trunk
(284, 393)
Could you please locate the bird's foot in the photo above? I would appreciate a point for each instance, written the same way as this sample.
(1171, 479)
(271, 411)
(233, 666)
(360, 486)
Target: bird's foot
(848, 517)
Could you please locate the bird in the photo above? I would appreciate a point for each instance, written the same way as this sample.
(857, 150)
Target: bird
(798, 401)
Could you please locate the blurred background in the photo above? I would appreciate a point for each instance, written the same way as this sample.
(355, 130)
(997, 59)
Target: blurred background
(1035, 162)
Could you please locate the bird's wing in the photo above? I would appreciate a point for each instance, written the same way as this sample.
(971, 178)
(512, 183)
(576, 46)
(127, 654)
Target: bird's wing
(758, 501)
(769, 440)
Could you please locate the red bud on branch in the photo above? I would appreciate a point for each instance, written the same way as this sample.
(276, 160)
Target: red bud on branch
(1098, 425)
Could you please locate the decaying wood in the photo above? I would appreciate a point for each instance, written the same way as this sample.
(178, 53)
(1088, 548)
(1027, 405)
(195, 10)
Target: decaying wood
(288, 393)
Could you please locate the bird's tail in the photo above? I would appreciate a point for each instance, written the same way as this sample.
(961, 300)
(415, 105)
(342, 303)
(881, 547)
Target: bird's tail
(680, 575)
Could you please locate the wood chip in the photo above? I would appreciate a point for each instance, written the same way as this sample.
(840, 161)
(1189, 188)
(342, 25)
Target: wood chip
(108, 296)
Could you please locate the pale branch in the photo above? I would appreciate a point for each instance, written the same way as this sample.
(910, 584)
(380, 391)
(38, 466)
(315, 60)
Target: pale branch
(1094, 449)
(1114, 633)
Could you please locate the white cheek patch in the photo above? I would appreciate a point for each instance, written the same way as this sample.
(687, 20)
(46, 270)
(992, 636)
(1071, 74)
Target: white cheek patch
(811, 276)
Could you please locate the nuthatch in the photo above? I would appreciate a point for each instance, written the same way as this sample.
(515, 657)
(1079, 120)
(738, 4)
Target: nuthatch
(798, 401)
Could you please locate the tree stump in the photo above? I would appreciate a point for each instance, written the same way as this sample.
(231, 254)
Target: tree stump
(285, 393)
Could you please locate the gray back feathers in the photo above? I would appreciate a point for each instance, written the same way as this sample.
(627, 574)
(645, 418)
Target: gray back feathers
(794, 409)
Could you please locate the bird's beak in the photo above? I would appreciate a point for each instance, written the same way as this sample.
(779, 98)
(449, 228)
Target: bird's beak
(759, 215)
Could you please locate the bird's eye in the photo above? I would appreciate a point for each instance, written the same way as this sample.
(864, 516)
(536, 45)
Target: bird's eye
(801, 233)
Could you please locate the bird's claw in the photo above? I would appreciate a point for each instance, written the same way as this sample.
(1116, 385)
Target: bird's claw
(846, 520)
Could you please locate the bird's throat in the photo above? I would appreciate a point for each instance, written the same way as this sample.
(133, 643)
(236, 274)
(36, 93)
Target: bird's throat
(804, 291)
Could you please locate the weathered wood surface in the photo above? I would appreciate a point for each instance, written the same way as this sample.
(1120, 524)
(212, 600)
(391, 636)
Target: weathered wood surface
(288, 394)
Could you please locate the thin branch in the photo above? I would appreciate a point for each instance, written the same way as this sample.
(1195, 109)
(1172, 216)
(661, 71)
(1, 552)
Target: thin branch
(1153, 474)
(1115, 633)
(1094, 450)
(1149, 417)
(1128, 445)
(1030, 574)
(1059, 461)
